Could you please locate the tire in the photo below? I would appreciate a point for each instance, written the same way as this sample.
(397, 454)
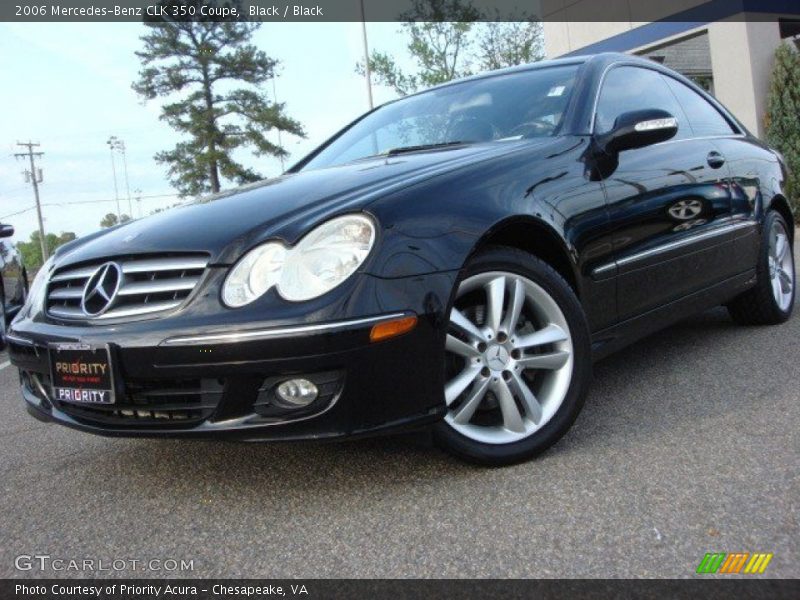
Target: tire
(771, 300)
(544, 349)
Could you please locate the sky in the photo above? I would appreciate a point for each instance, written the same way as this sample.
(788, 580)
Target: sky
(68, 87)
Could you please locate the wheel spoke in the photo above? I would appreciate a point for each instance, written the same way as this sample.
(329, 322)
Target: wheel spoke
(532, 406)
(467, 409)
(785, 280)
(512, 420)
(495, 293)
(454, 387)
(460, 321)
(514, 307)
(776, 288)
(781, 247)
(547, 335)
(552, 360)
(456, 346)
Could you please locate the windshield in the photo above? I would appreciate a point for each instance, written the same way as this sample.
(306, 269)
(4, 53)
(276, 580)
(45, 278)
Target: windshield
(503, 107)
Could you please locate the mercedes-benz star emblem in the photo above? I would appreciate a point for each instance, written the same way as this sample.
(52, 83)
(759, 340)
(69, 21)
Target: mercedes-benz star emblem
(497, 357)
(101, 289)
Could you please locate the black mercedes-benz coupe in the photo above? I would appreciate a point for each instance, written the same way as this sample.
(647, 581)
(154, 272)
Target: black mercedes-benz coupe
(455, 258)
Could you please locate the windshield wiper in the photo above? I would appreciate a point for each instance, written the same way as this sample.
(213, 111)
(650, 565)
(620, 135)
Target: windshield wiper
(405, 149)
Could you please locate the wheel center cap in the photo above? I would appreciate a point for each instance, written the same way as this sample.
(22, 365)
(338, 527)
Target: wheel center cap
(497, 357)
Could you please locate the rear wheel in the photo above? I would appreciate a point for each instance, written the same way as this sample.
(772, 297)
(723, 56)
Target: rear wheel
(517, 359)
(771, 300)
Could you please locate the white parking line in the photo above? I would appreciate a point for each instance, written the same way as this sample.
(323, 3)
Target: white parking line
(5, 364)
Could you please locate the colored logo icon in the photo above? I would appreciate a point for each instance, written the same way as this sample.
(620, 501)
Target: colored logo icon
(734, 563)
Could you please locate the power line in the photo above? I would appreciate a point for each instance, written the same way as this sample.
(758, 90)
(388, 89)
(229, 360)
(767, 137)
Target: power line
(35, 177)
(107, 200)
(19, 212)
(71, 202)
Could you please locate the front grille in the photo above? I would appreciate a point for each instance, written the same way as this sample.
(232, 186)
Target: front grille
(165, 403)
(148, 285)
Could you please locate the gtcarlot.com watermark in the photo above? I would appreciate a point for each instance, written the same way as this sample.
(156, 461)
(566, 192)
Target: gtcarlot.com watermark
(48, 563)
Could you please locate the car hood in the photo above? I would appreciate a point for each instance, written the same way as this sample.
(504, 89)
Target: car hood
(227, 224)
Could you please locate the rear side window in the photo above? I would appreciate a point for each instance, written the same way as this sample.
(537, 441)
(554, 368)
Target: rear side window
(703, 117)
(627, 89)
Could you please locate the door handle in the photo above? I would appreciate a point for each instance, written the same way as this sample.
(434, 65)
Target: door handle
(715, 159)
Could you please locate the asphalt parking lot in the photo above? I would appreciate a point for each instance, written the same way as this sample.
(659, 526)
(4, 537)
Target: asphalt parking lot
(688, 444)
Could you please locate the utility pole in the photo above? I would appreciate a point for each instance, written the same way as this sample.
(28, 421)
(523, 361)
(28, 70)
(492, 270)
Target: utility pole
(366, 55)
(121, 148)
(35, 177)
(111, 145)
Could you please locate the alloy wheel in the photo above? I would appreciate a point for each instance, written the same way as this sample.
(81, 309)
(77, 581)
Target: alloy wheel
(509, 358)
(781, 266)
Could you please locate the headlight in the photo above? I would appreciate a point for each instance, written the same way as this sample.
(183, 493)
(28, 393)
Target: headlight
(254, 274)
(322, 260)
(326, 257)
(36, 292)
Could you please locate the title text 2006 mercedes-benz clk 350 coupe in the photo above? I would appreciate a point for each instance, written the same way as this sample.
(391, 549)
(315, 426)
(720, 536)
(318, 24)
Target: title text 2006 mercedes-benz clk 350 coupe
(458, 258)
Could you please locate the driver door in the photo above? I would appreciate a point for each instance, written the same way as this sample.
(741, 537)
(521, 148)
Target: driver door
(669, 203)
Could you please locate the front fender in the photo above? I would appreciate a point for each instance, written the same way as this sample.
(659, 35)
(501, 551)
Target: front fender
(436, 225)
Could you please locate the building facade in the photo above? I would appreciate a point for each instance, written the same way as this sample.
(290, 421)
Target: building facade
(731, 57)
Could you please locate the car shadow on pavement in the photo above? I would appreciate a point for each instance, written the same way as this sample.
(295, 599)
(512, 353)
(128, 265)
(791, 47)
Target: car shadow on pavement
(644, 389)
(684, 378)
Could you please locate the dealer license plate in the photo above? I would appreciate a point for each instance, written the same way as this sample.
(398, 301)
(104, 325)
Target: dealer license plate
(81, 374)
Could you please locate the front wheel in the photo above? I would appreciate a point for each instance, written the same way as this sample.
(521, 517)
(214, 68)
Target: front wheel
(517, 359)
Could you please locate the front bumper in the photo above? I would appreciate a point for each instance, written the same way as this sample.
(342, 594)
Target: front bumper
(218, 380)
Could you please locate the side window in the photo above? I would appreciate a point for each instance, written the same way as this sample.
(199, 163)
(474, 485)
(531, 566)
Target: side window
(703, 117)
(632, 88)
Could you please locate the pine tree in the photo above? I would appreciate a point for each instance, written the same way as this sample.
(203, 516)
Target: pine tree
(202, 62)
(783, 116)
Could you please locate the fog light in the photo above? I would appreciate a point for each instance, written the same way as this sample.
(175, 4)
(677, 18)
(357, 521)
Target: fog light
(297, 393)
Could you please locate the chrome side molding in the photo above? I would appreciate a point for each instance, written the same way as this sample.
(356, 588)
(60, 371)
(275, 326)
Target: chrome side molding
(669, 246)
(275, 332)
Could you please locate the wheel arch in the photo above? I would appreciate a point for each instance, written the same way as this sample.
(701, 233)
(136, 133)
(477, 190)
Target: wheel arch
(536, 237)
(781, 204)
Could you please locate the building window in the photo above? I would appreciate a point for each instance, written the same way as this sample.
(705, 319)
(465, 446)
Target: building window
(790, 30)
(690, 56)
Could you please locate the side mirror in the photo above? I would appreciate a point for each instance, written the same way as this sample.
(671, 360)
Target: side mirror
(637, 129)
(6, 230)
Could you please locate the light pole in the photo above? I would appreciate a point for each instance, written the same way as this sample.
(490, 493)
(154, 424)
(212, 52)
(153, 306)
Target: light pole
(138, 193)
(119, 145)
(366, 55)
(111, 145)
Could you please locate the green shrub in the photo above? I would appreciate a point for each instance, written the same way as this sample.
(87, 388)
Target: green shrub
(783, 117)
